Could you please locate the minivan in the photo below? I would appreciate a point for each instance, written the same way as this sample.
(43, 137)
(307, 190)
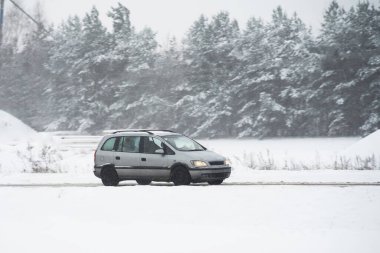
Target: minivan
(157, 155)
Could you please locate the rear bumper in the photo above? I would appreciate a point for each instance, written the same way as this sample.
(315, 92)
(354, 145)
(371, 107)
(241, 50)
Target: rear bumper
(97, 171)
(209, 174)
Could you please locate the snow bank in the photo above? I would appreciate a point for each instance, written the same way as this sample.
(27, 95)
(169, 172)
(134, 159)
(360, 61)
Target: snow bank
(22, 149)
(364, 154)
(366, 147)
(281, 153)
(13, 129)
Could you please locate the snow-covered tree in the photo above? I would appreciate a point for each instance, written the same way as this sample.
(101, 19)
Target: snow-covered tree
(270, 79)
(278, 61)
(347, 44)
(211, 65)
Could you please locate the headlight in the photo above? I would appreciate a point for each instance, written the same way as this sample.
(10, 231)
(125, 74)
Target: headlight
(227, 162)
(199, 163)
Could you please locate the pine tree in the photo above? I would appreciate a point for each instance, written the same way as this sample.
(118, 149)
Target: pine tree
(271, 118)
(277, 61)
(94, 71)
(143, 50)
(251, 51)
(66, 52)
(272, 79)
(211, 65)
(347, 44)
(365, 23)
(122, 37)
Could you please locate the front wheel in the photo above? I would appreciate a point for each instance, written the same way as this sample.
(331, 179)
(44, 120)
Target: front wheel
(215, 182)
(181, 177)
(109, 177)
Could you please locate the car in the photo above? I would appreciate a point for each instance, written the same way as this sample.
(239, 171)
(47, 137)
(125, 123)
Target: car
(157, 155)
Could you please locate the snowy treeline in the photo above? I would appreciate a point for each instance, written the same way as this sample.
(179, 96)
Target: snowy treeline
(265, 79)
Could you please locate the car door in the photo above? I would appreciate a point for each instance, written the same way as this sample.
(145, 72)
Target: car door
(153, 161)
(105, 155)
(128, 157)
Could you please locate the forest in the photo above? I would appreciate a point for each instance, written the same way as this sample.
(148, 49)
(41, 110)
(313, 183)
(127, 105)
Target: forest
(263, 79)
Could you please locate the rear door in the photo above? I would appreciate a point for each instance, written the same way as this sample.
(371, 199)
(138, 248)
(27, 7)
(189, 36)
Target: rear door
(105, 155)
(128, 157)
(154, 164)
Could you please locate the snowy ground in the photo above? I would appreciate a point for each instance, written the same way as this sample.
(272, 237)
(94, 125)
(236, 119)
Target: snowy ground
(190, 219)
(70, 211)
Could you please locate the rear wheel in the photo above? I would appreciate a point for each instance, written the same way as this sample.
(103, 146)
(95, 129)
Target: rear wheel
(143, 181)
(215, 182)
(181, 177)
(109, 177)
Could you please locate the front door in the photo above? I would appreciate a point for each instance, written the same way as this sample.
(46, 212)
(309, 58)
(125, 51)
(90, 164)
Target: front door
(153, 162)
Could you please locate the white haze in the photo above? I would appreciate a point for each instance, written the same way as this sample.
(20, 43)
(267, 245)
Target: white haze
(173, 17)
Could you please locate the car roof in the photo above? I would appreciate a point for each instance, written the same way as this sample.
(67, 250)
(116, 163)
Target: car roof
(143, 133)
(164, 133)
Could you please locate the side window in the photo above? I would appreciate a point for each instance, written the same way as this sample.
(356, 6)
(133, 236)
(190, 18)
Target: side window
(129, 144)
(109, 144)
(151, 145)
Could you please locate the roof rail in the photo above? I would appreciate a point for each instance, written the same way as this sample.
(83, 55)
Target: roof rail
(141, 130)
(162, 130)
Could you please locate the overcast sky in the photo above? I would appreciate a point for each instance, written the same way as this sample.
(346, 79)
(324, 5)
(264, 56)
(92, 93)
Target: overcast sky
(174, 17)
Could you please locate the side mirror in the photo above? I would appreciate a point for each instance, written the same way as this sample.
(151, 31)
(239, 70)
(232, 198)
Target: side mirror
(165, 148)
(160, 151)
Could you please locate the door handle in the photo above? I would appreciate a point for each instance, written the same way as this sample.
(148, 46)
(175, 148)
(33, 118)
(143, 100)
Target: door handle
(143, 159)
(117, 157)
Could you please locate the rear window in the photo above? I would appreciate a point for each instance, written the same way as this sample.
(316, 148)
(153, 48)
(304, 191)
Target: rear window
(109, 144)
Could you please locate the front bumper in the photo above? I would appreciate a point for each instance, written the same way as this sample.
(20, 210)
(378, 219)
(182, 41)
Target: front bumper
(209, 173)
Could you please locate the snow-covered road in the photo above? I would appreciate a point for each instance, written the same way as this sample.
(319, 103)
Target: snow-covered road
(343, 184)
(283, 210)
(190, 219)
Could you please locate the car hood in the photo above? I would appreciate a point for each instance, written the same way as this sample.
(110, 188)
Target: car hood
(205, 155)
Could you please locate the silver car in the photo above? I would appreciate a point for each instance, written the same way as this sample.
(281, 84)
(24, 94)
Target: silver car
(157, 155)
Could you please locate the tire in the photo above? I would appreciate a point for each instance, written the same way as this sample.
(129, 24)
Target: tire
(181, 177)
(143, 181)
(215, 182)
(109, 177)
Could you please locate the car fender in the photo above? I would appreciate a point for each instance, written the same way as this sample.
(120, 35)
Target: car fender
(107, 165)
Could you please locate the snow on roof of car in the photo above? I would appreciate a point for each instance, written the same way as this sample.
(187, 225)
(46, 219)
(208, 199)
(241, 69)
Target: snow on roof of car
(164, 133)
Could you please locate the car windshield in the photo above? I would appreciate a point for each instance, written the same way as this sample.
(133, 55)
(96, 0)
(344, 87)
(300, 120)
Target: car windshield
(183, 143)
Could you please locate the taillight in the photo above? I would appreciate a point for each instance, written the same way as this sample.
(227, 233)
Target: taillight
(95, 156)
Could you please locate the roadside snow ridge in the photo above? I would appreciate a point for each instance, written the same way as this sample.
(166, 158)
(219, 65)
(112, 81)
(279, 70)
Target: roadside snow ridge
(366, 147)
(13, 129)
